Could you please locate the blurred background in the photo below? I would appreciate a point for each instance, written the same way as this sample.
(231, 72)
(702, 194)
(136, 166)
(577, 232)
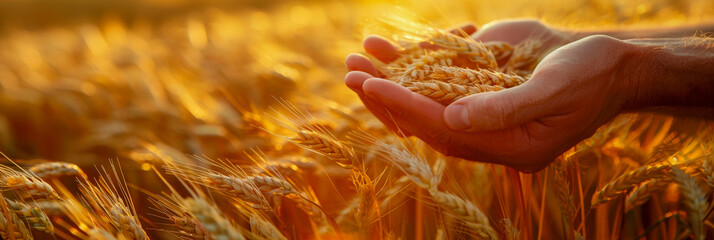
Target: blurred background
(86, 81)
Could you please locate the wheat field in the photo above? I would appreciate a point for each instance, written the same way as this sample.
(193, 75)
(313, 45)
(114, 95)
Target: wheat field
(180, 119)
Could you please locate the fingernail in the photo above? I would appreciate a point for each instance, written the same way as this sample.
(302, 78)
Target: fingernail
(457, 117)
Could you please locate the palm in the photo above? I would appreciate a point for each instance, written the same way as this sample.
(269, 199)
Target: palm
(552, 116)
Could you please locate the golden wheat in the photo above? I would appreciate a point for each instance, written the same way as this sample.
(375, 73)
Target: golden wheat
(469, 77)
(695, 199)
(33, 216)
(57, 169)
(475, 51)
(628, 180)
(447, 93)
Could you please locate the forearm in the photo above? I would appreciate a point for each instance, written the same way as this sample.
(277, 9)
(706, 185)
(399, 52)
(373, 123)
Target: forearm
(668, 73)
(651, 32)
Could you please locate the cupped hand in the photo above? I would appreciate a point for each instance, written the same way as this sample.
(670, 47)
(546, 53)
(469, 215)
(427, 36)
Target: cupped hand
(573, 91)
(517, 31)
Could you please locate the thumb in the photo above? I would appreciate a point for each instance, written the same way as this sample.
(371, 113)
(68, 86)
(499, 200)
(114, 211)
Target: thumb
(489, 111)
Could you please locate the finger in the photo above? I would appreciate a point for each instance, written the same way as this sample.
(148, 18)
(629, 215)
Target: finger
(423, 117)
(357, 62)
(412, 112)
(464, 30)
(354, 81)
(500, 110)
(381, 48)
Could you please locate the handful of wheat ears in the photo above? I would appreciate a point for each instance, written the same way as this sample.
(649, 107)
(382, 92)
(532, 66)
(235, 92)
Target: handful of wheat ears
(345, 183)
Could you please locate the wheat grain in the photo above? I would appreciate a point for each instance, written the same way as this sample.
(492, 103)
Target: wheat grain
(500, 50)
(512, 233)
(426, 62)
(327, 146)
(210, 220)
(475, 51)
(57, 169)
(525, 55)
(243, 189)
(562, 191)
(446, 93)
(25, 186)
(13, 229)
(33, 216)
(695, 199)
(644, 191)
(125, 222)
(265, 229)
(107, 199)
(51, 207)
(707, 168)
(417, 169)
(627, 181)
(464, 210)
(468, 77)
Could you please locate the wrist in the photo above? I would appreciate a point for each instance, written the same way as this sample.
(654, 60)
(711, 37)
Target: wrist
(666, 73)
(636, 77)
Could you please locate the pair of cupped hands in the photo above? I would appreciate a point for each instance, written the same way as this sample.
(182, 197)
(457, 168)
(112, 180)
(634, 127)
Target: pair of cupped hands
(573, 90)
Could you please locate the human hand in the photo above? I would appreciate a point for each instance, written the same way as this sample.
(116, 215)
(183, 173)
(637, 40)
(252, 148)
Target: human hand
(572, 92)
(517, 31)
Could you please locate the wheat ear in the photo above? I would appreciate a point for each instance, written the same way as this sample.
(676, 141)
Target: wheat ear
(695, 199)
(51, 207)
(643, 192)
(475, 51)
(14, 228)
(562, 191)
(500, 50)
(111, 199)
(57, 169)
(707, 168)
(468, 77)
(240, 188)
(427, 62)
(24, 185)
(627, 181)
(33, 216)
(511, 232)
(11, 227)
(211, 219)
(327, 146)
(525, 55)
(446, 93)
(265, 229)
